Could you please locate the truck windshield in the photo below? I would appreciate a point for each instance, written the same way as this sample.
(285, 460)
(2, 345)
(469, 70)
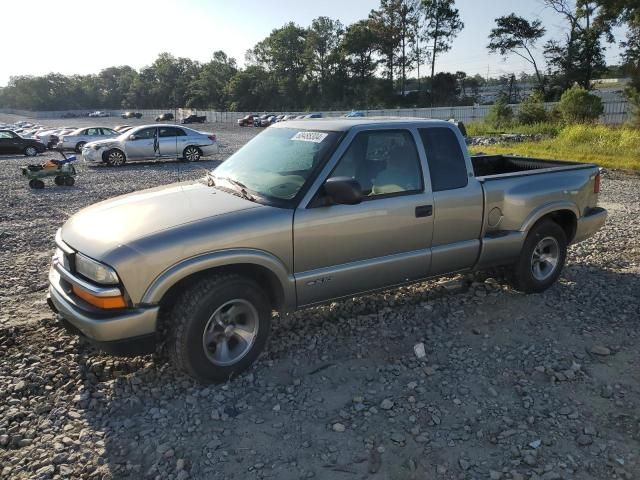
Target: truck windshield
(277, 163)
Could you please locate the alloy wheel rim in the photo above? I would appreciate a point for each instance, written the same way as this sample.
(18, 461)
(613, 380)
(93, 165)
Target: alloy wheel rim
(230, 332)
(545, 258)
(191, 154)
(31, 151)
(116, 158)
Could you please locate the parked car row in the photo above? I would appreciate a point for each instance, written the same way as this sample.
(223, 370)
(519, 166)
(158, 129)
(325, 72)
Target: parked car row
(266, 119)
(111, 145)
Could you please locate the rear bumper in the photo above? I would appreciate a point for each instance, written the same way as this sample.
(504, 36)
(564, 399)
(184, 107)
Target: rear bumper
(590, 223)
(100, 326)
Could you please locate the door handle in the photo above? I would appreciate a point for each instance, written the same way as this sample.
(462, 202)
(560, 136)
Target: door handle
(424, 211)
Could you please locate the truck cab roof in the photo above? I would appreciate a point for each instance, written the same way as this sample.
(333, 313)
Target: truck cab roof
(342, 124)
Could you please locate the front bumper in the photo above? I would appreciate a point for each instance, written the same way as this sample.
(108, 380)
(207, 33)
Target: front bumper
(126, 330)
(92, 155)
(589, 224)
(100, 325)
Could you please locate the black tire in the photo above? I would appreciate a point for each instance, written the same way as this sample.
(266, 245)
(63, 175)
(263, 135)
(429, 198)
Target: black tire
(191, 154)
(115, 158)
(38, 184)
(547, 241)
(79, 146)
(193, 312)
(60, 181)
(69, 181)
(32, 183)
(30, 151)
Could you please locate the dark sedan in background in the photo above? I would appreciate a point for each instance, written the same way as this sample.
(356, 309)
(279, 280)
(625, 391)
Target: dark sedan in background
(194, 119)
(11, 142)
(164, 117)
(131, 115)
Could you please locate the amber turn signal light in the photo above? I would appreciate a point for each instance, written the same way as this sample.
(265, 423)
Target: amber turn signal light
(100, 302)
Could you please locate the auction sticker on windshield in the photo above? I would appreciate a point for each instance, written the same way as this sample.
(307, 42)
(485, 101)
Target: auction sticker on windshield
(315, 137)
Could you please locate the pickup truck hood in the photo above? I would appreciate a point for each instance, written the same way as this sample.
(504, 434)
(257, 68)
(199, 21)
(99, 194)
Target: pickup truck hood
(104, 226)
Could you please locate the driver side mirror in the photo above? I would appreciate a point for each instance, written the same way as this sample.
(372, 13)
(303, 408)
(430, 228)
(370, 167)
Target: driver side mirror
(132, 137)
(343, 190)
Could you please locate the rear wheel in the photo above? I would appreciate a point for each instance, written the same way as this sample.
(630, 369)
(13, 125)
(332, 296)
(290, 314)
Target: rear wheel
(191, 154)
(219, 327)
(31, 151)
(59, 181)
(38, 184)
(69, 181)
(115, 158)
(541, 259)
(79, 146)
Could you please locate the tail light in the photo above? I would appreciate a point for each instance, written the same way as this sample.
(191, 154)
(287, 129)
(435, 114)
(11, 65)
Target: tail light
(212, 137)
(596, 184)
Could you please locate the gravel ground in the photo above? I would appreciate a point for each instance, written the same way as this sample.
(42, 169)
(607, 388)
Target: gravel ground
(511, 386)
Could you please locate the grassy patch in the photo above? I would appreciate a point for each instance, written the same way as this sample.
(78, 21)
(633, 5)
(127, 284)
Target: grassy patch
(611, 147)
(550, 129)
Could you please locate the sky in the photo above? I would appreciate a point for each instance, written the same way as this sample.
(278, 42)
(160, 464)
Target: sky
(81, 37)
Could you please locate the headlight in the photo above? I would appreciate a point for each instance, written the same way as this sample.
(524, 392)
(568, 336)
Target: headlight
(96, 271)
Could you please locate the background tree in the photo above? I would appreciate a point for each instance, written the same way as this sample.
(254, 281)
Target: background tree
(359, 46)
(514, 34)
(209, 88)
(387, 31)
(282, 53)
(442, 25)
(322, 42)
(581, 57)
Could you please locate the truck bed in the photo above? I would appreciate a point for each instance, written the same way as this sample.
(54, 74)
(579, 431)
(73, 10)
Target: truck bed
(491, 166)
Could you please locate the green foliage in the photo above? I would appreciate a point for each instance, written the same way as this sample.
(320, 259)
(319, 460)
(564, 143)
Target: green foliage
(577, 105)
(518, 36)
(443, 24)
(611, 147)
(532, 110)
(548, 129)
(634, 99)
(500, 115)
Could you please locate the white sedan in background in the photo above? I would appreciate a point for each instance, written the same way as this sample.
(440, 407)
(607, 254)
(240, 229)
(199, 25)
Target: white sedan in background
(152, 141)
(80, 137)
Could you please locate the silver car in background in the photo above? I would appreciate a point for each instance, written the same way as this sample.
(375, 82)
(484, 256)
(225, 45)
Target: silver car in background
(152, 141)
(80, 137)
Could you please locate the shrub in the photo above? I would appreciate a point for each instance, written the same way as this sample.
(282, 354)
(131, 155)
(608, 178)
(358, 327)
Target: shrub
(500, 115)
(634, 100)
(532, 110)
(579, 106)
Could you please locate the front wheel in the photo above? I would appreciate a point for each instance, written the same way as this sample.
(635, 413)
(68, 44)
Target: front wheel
(115, 158)
(31, 151)
(541, 259)
(191, 154)
(59, 181)
(219, 327)
(69, 181)
(79, 146)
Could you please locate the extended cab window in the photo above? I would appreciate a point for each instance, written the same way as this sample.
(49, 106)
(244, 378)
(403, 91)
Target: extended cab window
(383, 162)
(445, 158)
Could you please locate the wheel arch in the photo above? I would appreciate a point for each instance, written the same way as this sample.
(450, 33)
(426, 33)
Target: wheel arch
(268, 271)
(565, 214)
(105, 154)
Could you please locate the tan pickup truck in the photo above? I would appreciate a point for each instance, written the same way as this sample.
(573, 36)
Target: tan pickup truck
(307, 212)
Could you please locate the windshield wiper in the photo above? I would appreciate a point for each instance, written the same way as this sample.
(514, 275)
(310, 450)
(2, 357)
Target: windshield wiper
(242, 188)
